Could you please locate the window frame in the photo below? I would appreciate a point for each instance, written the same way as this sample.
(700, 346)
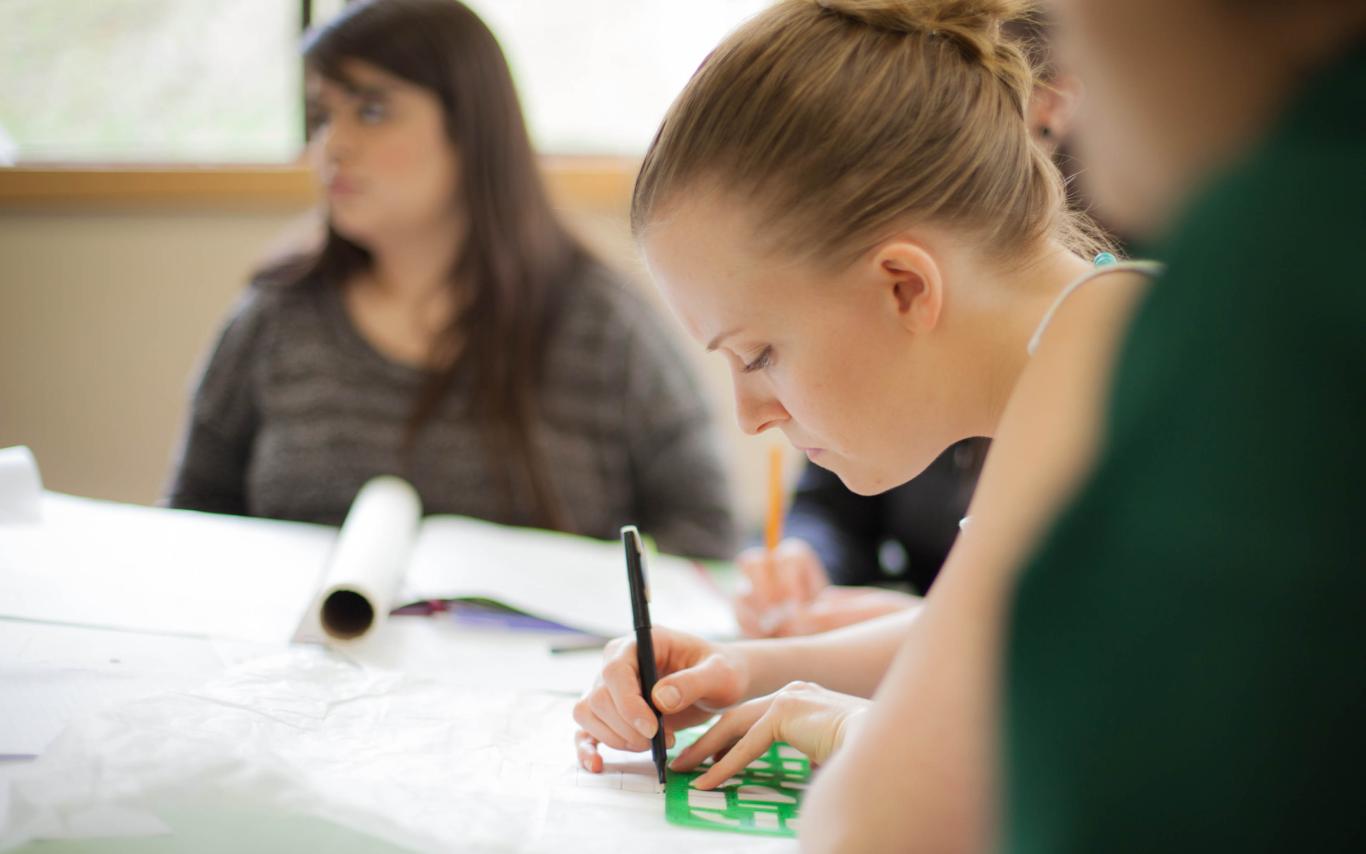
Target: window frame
(599, 182)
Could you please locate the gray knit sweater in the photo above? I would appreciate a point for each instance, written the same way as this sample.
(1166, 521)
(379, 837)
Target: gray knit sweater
(295, 411)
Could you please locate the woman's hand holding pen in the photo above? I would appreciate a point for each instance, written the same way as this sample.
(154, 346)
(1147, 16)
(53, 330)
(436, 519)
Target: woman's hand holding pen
(812, 719)
(698, 678)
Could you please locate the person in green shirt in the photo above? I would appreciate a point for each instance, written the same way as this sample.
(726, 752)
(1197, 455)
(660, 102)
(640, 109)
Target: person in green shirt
(1185, 660)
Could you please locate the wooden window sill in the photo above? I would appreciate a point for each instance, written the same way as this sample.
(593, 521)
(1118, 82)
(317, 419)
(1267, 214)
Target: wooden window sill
(596, 182)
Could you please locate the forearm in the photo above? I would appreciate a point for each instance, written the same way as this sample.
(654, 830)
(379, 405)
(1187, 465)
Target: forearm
(850, 660)
(914, 771)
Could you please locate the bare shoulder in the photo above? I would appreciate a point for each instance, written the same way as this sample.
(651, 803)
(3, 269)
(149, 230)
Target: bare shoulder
(1067, 377)
(1092, 318)
(1048, 434)
(1064, 385)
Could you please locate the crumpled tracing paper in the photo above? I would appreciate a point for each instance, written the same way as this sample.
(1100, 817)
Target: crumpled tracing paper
(424, 764)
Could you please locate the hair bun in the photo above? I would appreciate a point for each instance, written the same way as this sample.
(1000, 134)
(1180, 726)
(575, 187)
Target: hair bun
(974, 26)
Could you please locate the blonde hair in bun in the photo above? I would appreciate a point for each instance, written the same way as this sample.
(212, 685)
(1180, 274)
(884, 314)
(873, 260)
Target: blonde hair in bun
(974, 27)
(844, 119)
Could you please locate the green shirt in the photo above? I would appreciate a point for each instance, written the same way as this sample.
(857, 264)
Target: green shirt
(1187, 651)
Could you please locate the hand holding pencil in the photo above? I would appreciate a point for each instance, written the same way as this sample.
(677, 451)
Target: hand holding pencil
(780, 579)
(785, 590)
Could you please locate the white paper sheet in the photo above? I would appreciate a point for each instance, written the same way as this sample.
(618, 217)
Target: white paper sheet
(414, 761)
(99, 563)
(53, 674)
(478, 658)
(571, 580)
(21, 487)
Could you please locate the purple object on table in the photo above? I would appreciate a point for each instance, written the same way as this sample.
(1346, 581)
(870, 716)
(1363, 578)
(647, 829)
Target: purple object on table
(478, 613)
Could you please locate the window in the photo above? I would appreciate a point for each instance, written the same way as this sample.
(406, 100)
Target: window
(149, 81)
(596, 76)
(207, 81)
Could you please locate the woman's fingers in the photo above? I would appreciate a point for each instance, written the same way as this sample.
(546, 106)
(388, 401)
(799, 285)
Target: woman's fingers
(629, 733)
(727, 730)
(620, 682)
(756, 573)
(587, 747)
(800, 572)
(752, 744)
(748, 618)
(598, 712)
(809, 717)
(711, 684)
(590, 722)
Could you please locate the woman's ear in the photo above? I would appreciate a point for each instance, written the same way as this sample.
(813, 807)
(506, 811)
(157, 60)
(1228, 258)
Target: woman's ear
(911, 280)
(1052, 107)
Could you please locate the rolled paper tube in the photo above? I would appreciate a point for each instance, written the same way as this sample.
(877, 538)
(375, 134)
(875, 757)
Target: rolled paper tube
(369, 559)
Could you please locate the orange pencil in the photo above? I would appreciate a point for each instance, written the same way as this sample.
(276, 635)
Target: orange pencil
(776, 614)
(773, 531)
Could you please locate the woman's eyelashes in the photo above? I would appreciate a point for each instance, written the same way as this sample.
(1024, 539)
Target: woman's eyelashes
(763, 360)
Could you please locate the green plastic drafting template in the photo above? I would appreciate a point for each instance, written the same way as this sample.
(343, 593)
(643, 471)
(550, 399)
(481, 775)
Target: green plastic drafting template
(765, 798)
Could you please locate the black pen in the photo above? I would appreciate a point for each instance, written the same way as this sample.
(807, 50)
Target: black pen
(645, 646)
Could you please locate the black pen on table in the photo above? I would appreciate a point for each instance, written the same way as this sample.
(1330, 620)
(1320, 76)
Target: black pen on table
(645, 647)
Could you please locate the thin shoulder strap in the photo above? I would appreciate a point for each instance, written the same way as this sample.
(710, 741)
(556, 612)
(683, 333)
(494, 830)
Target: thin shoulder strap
(1104, 264)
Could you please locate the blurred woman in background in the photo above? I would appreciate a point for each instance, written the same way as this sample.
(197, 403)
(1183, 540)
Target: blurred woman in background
(448, 329)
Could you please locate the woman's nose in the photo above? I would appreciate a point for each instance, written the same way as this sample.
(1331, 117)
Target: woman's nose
(335, 142)
(756, 409)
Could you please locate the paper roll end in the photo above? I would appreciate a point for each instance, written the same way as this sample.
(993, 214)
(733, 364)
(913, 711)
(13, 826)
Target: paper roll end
(346, 614)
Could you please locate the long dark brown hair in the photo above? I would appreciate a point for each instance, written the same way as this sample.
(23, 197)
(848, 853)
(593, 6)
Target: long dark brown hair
(516, 257)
